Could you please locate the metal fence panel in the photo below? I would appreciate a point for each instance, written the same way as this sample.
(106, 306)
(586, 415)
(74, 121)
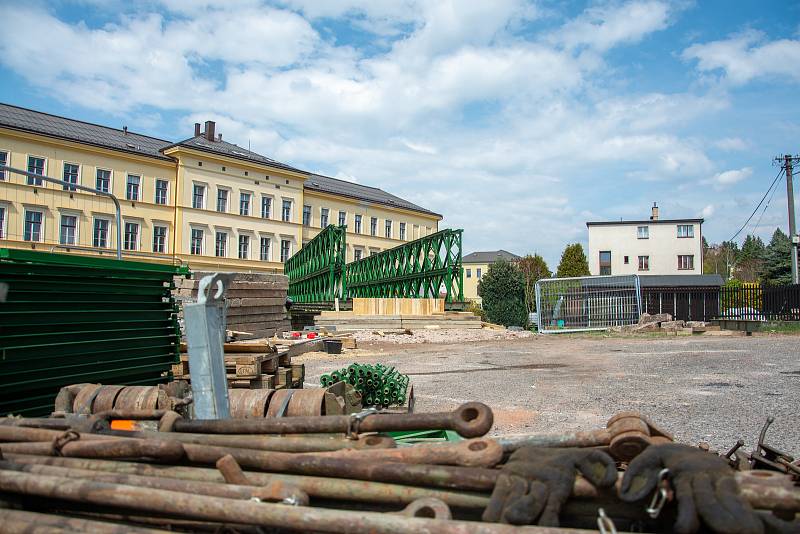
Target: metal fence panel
(587, 303)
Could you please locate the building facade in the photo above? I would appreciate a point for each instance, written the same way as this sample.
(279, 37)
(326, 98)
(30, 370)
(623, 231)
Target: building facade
(475, 266)
(201, 201)
(655, 246)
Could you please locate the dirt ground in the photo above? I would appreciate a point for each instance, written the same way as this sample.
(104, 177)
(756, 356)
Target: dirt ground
(702, 388)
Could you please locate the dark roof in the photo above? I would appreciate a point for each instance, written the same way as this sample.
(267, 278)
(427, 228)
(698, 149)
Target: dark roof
(28, 120)
(660, 221)
(490, 256)
(680, 280)
(326, 184)
(224, 148)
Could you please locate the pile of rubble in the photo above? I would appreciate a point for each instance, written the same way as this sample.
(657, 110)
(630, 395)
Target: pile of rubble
(663, 322)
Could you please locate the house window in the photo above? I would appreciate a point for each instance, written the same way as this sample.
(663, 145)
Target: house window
(160, 239)
(686, 263)
(222, 200)
(285, 249)
(131, 241)
(469, 273)
(103, 180)
(33, 225)
(388, 229)
(323, 218)
(266, 207)
(71, 172)
(644, 263)
(358, 224)
(373, 226)
(69, 229)
(100, 233)
(3, 161)
(35, 166)
(478, 272)
(244, 247)
(286, 211)
(196, 246)
(263, 252)
(357, 254)
(306, 215)
(198, 196)
(625, 260)
(2, 222)
(605, 262)
(244, 204)
(221, 245)
(643, 232)
(342, 218)
(161, 191)
(132, 187)
(402, 231)
(685, 230)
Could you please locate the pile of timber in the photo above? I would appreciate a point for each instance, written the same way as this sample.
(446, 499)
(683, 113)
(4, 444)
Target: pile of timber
(255, 303)
(349, 321)
(397, 306)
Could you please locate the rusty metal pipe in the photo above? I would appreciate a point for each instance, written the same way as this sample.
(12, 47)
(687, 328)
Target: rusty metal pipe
(20, 521)
(201, 507)
(274, 491)
(470, 420)
(161, 450)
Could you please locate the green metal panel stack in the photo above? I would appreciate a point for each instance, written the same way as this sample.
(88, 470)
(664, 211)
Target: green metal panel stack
(69, 319)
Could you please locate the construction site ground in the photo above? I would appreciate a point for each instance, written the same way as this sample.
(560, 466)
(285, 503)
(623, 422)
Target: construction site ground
(715, 389)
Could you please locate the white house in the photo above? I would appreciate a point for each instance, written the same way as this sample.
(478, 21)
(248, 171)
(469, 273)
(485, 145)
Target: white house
(654, 246)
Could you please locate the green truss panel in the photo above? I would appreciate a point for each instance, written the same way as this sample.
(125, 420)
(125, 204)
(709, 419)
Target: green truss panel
(316, 272)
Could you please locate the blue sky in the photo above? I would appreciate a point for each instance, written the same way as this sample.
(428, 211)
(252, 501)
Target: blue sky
(519, 121)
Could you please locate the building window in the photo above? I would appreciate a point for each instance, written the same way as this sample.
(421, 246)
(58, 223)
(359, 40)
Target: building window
(221, 245)
(2, 222)
(33, 225)
(196, 246)
(160, 239)
(69, 229)
(644, 263)
(373, 226)
(643, 232)
(244, 204)
(222, 200)
(342, 218)
(131, 241)
(263, 252)
(161, 191)
(71, 172)
(198, 196)
(357, 254)
(244, 247)
(469, 273)
(478, 272)
(285, 250)
(286, 211)
(686, 263)
(358, 224)
(35, 166)
(625, 260)
(103, 180)
(266, 207)
(685, 230)
(388, 229)
(100, 233)
(402, 231)
(306, 215)
(132, 187)
(3, 161)
(605, 262)
(323, 218)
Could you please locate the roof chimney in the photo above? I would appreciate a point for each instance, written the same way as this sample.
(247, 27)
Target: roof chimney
(196, 129)
(210, 125)
(654, 214)
(124, 130)
(219, 137)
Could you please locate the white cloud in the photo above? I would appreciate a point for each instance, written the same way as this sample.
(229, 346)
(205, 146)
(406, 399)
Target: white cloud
(733, 176)
(748, 56)
(731, 143)
(707, 211)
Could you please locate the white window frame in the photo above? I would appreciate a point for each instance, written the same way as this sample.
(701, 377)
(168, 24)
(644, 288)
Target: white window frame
(202, 231)
(642, 234)
(342, 218)
(216, 242)
(228, 192)
(680, 263)
(388, 228)
(478, 273)
(689, 231)
(271, 206)
(4, 221)
(77, 216)
(249, 196)
(64, 174)
(288, 252)
(357, 223)
(643, 265)
(155, 192)
(166, 237)
(291, 207)
(128, 176)
(373, 229)
(261, 239)
(468, 272)
(138, 244)
(43, 212)
(307, 222)
(239, 246)
(28, 168)
(358, 253)
(3, 175)
(324, 217)
(402, 230)
(205, 195)
(108, 231)
(110, 179)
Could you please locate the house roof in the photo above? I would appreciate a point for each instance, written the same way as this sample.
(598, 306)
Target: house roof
(224, 148)
(490, 256)
(680, 280)
(335, 186)
(28, 120)
(648, 221)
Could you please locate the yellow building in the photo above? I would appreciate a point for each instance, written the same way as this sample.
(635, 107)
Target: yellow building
(201, 201)
(475, 266)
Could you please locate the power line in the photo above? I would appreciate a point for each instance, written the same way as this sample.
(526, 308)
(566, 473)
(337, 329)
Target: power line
(777, 177)
(755, 227)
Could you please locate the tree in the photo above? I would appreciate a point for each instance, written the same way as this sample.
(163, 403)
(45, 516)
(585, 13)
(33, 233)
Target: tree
(777, 260)
(573, 262)
(502, 289)
(751, 260)
(721, 259)
(533, 269)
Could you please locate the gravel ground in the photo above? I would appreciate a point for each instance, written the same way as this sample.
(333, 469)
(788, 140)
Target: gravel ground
(702, 388)
(440, 336)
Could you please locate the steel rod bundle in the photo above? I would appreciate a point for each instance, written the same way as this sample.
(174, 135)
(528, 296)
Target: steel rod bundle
(378, 384)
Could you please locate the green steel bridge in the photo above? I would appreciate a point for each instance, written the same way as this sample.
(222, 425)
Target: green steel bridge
(319, 275)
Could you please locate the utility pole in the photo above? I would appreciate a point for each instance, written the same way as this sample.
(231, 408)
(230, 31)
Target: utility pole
(787, 165)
